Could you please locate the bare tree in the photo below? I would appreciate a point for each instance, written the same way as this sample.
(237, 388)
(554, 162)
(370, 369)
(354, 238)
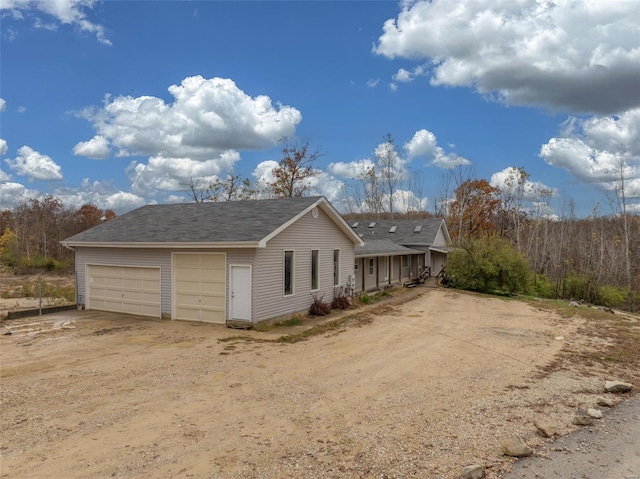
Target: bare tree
(196, 192)
(618, 202)
(291, 176)
(233, 188)
(390, 169)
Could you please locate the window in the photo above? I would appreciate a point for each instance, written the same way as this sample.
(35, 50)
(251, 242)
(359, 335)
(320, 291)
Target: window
(405, 260)
(371, 267)
(288, 273)
(355, 267)
(314, 269)
(336, 267)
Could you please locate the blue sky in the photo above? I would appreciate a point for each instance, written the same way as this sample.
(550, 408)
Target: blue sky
(121, 103)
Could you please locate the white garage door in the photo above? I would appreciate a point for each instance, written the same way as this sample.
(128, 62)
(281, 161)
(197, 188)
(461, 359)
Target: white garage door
(124, 289)
(200, 287)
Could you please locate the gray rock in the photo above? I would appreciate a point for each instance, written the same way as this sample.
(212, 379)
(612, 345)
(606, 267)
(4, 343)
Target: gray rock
(606, 402)
(574, 304)
(617, 387)
(545, 429)
(582, 419)
(516, 447)
(474, 471)
(596, 413)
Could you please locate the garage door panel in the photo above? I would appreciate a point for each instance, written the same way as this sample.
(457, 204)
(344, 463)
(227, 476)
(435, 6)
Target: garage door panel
(190, 314)
(122, 289)
(213, 261)
(200, 286)
(212, 301)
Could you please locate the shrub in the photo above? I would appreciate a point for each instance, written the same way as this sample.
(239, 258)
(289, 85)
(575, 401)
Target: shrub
(365, 299)
(340, 299)
(542, 286)
(612, 297)
(319, 307)
(488, 265)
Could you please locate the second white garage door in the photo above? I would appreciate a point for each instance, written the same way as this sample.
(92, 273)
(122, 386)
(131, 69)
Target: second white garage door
(200, 287)
(124, 289)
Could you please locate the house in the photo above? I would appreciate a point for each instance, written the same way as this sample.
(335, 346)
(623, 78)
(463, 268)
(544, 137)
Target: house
(399, 251)
(241, 261)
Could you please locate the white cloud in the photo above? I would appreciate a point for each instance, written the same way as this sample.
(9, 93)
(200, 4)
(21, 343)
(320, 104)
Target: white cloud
(96, 148)
(66, 12)
(507, 181)
(582, 55)
(263, 172)
(372, 83)
(424, 144)
(174, 174)
(4, 177)
(34, 165)
(3, 146)
(12, 194)
(21, 109)
(103, 194)
(3, 104)
(393, 86)
(350, 170)
(403, 76)
(206, 118)
(593, 150)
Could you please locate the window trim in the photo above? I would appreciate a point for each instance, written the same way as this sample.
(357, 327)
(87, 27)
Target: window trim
(291, 273)
(315, 269)
(372, 269)
(336, 267)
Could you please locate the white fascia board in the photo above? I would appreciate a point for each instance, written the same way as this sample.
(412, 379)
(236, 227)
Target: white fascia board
(200, 245)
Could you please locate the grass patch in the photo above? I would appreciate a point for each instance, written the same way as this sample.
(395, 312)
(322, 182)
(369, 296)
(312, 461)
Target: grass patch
(615, 339)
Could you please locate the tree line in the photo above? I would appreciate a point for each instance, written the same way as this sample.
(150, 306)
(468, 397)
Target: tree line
(30, 234)
(567, 256)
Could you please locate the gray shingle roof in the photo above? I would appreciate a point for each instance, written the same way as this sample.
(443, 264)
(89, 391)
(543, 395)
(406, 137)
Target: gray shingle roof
(404, 234)
(381, 247)
(233, 221)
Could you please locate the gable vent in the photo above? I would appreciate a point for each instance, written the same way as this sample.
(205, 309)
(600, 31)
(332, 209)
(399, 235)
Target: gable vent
(393, 229)
(417, 229)
(372, 224)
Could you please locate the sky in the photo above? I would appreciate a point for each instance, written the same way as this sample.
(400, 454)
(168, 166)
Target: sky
(123, 103)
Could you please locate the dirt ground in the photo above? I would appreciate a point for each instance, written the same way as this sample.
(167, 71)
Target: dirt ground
(420, 388)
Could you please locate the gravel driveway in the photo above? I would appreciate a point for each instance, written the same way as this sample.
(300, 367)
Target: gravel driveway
(419, 389)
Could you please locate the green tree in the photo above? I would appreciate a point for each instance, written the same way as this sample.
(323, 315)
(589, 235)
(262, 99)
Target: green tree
(489, 264)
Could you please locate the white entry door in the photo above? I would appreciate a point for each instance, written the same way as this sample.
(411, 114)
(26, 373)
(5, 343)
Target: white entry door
(241, 293)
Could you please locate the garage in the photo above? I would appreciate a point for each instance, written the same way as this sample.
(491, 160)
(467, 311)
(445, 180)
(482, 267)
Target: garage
(199, 287)
(124, 289)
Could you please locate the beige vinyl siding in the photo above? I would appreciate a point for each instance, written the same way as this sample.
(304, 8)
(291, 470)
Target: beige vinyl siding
(439, 239)
(304, 235)
(155, 258)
